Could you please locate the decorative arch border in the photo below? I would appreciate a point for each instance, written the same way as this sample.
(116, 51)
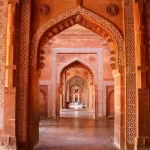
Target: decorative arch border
(78, 10)
(84, 67)
(92, 69)
(99, 75)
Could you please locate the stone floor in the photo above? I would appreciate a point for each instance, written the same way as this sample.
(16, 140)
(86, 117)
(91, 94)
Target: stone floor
(77, 130)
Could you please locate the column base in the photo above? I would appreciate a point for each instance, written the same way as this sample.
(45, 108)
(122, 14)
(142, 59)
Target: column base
(7, 143)
(141, 142)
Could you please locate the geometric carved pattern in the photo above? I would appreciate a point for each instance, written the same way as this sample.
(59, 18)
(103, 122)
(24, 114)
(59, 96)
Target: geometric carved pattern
(3, 31)
(22, 87)
(83, 12)
(148, 28)
(97, 75)
(105, 84)
(130, 75)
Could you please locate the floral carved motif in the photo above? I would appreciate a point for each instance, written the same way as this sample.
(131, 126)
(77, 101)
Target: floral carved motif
(112, 9)
(91, 58)
(62, 58)
(43, 9)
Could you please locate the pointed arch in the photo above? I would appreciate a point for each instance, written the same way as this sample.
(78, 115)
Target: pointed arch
(96, 23)
(98, 84)
(78, 76)
(85, 63)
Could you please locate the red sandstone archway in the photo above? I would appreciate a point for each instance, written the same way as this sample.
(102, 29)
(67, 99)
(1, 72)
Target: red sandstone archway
(29, 126)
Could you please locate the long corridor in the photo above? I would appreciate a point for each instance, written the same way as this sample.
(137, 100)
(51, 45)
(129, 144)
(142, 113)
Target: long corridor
(79, 133)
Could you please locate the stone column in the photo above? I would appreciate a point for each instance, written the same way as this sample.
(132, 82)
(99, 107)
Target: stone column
(85, 95)
(22, 82)
(93, 97)
(10, 91)
(96, 102)
(68, 92)
(141, 44)
(64, 90)
(10, 45)
(90, 96)
(148, 52)
(3, 33)
(33, 108)
(131, 98)
(119, 124)
(57, 111)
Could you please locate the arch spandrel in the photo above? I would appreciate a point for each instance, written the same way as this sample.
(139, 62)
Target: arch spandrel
(112, 31)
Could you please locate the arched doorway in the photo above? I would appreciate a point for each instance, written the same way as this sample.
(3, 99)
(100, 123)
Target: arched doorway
(83, 17)
(78, 67)
(77, 84)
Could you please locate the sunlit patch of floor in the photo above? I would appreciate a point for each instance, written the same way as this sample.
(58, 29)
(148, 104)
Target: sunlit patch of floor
(77, 113)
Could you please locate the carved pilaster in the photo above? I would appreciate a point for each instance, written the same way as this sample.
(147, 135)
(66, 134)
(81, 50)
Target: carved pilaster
(130, 74)
(3, 32)
(22, 85)
(10, 43)
(148, 47)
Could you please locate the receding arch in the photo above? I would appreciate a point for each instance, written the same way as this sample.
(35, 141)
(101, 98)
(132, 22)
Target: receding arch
(96, 23)
(78, 76)
(86, 84)
(98, 87)
(78, 59)
(61, 69)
